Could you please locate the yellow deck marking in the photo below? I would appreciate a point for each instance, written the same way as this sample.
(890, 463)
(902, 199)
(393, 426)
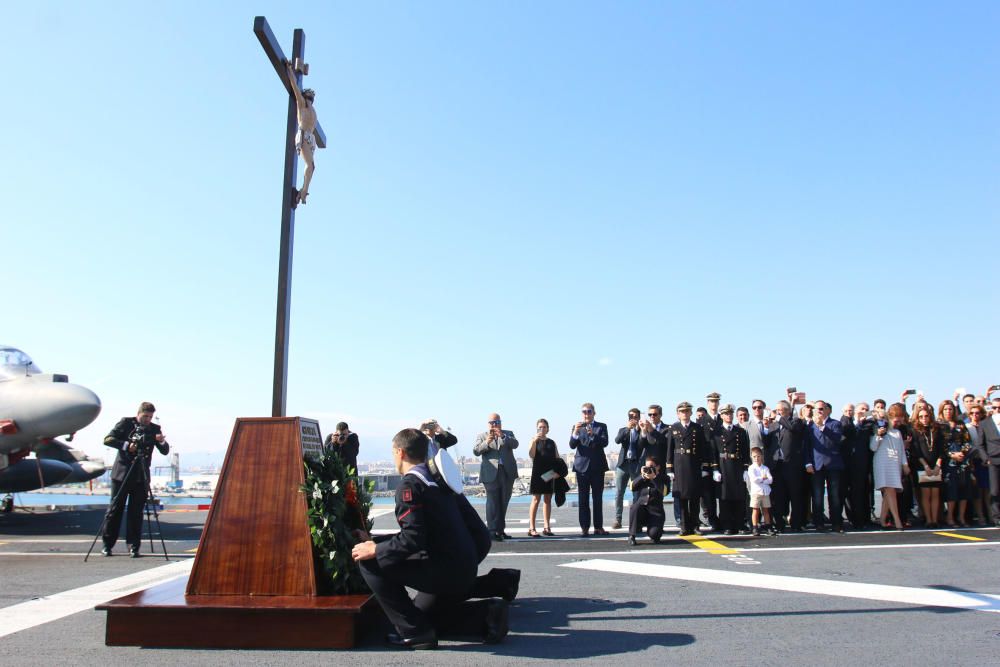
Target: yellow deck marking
(962, 537)
(708, 545)
(191, 551)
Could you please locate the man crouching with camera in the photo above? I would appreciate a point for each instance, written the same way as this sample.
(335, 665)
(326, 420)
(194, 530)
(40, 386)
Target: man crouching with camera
(647, 510)
(134, 438)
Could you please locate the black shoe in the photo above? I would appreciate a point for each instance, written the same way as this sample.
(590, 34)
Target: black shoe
(133, 552)
(631, 540)
(730, 532)
(496, 622)
(506, 536)
(756, 532)
(513, 583)
(106, 551)
(497, 537)
(423, 642)
(774, 531)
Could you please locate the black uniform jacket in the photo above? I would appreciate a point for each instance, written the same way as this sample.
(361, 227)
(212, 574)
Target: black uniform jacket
(687, 456)
(650, 492)
(120, 438)
(433, 530)
(732, 449)
(348, 450)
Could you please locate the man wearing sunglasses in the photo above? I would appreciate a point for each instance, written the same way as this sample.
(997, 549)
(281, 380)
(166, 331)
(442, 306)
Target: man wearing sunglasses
(589, 438)
(497, 472)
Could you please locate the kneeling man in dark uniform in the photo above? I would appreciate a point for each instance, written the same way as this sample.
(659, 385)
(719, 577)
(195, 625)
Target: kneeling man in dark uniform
(647, 510)
(436, 552)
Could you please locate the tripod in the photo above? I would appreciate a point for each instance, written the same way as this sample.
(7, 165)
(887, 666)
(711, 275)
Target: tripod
(149, 508)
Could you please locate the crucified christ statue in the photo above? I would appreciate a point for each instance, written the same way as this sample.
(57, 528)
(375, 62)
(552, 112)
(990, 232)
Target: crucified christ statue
(305, 142)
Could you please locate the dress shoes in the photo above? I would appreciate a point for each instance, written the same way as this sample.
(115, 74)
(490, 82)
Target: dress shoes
(133, 552)
(616, 525)
(506, 536)
(426, 641)
(600, 531)
(631, 540)
(496, 622)
(730, 532)
(106, 551)
(513, 583)
(497, 537)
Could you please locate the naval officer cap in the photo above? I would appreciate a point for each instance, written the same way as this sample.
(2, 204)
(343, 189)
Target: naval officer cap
(683, 405)
(727, 408)
(714, 396)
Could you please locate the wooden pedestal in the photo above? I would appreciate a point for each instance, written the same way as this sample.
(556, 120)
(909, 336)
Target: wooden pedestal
(253, 582)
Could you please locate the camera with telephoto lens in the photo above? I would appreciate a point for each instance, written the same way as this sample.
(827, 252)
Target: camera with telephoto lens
(137, 438)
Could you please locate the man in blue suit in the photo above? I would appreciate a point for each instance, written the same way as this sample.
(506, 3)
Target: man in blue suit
(589, 438)
(824, 461)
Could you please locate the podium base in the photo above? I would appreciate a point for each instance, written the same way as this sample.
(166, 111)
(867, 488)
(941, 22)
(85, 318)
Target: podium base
(164, 617)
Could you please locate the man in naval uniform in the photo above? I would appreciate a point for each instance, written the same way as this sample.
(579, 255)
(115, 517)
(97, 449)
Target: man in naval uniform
(710, 422)
(687, 464)
(436, 552)
(732, 448)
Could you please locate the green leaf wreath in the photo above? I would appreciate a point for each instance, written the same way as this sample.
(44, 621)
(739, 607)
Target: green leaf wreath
(338, 503)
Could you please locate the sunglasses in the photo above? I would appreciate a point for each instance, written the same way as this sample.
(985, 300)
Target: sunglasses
(494, 422)
(587, 412)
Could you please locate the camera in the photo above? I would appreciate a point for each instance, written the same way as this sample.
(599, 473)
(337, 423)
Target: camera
(649, 470)
(881, 423)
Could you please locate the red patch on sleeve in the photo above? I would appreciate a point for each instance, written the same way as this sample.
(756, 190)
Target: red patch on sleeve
(407, 495)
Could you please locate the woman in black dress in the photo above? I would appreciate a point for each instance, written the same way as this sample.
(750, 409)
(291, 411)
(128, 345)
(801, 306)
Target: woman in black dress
(928, 455)
(543, 455)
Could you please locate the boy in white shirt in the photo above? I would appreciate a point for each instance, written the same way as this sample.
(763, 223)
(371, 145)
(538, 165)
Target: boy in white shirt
(758, 479)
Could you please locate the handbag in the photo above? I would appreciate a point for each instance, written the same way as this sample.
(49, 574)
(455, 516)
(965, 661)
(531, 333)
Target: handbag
(924, 478)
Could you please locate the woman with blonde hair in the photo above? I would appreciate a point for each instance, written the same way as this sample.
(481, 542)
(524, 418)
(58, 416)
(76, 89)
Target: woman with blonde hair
(889, 464)
(928, 452)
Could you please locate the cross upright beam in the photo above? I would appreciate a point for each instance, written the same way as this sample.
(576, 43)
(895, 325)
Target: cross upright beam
(277, 57)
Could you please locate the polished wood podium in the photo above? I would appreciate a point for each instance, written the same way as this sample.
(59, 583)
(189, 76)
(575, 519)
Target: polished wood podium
(253, 583)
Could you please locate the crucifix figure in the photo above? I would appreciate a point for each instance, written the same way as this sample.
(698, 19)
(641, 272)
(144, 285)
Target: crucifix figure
(305, 140)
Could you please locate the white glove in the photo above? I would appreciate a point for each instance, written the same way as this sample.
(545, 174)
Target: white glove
(704, 473)
(670, 475)
(717, 476)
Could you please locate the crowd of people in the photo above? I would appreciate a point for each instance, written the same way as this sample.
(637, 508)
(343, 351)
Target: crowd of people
(734, 470)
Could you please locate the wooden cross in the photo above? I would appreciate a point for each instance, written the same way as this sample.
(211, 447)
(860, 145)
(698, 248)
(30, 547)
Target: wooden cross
(274, 53)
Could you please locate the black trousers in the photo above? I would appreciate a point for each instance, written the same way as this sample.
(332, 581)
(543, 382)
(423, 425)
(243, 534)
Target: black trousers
(779, 493)
(652, 518)
(731, 514)
(858, 510)
(689, 513)
(591, 487)
(132, 494)
(709, 513)
(441, 603)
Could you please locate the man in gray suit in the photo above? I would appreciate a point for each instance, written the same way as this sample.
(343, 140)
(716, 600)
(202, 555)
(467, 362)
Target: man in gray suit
(988, 451)
(497, 473)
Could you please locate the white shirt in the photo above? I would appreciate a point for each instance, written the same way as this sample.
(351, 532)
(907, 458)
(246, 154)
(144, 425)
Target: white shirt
(759, 480)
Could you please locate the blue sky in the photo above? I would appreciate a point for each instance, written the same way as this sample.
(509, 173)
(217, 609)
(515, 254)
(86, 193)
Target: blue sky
(523, 206)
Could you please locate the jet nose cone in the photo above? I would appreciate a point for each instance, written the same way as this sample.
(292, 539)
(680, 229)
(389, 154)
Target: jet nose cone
(71, 407)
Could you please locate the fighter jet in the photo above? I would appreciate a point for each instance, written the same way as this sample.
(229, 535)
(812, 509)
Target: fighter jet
(35, 408)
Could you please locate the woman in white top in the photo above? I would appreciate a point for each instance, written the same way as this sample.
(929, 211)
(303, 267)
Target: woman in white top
(890, 461)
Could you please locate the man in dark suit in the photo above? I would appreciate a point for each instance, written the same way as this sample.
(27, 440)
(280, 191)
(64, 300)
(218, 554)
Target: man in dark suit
(344, 443)
(589, 438)
(440, 438)
(824, 462)
(440, 542)
(630, 459)
(687, 463)
(134, 438)
(497, 472)
(858, 429)
(656, 432)
(784, 457)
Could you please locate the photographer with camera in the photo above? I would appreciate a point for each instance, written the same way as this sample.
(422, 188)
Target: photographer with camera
(134, 438)
(647, 510)
(345, 443)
